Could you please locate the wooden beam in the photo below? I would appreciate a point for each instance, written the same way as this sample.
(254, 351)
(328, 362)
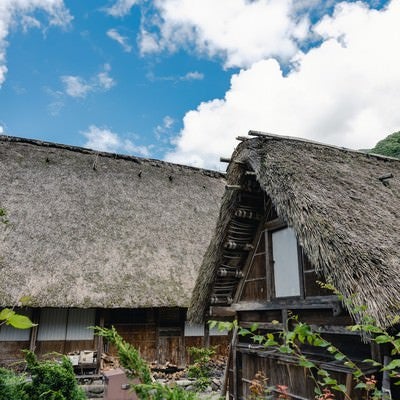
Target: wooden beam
(225, 159)
(242, 138)
(233, 187)
(219, 311)
(317, 302)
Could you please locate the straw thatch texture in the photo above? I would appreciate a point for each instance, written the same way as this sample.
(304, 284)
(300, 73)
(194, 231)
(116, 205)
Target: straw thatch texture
(90, 229)
(347, 220)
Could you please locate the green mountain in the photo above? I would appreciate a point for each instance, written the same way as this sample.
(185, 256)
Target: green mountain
(390, 146)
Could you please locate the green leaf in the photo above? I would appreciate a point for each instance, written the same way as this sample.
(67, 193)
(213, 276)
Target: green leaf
(392, 365)
(383, 339)
(360, 385)
(373, 362)
(244, 332)
(332, 349)
(339, 356)
(306, 364)
(254, 327)
(320, 342)
(6, 313)
(323, 372)
(285, 349)
(20, 321)
(340, 388)
(330, 381)
(212, 324)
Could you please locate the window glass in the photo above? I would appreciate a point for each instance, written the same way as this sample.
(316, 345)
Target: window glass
(286, 263)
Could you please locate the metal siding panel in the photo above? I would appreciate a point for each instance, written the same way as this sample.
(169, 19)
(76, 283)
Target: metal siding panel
(52, 324)
(194, 329)
(78, 322)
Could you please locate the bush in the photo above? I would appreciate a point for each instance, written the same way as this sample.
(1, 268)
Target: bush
(201, 369)
(52, 380)
(12, 386)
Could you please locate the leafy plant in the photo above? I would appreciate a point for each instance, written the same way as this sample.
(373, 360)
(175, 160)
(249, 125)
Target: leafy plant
(12, 386)
(201, 369)
(291, 342)
(136, 367)
(52, 380)
(9, 317)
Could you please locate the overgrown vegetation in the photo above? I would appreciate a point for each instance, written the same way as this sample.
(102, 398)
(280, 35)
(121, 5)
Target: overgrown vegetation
(52, 380)
(49, 380)
(136, 367)
(12, 386)
(291, 342)
(390, 146)
(201, 368)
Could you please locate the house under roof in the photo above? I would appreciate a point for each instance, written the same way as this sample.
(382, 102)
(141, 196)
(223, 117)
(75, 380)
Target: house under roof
(89, 229)
(343, 206)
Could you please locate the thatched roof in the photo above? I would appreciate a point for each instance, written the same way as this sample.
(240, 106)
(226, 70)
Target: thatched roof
(90, 229)
(345, 217)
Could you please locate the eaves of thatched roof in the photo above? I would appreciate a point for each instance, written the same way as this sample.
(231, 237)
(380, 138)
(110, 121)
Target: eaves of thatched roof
(345, 214)
(91, 229)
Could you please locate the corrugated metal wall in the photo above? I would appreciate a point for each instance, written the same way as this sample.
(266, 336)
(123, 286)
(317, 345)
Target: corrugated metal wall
(194, 329)
(65, 324)
(78, 322)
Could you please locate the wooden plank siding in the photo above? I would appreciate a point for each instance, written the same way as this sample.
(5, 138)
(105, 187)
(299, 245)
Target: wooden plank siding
(159, 335)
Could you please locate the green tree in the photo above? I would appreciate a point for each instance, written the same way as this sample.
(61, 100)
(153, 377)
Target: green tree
(390, 146)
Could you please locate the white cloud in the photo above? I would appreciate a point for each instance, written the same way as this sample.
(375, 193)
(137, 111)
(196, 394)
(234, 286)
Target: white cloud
(15, 13)
(345, 92)
(122, 40)
(240, 31)
(193, 76)
(148, 42)
(120, 8)
(103, 139)
(164, 129)
(1, 129)
(76, 86)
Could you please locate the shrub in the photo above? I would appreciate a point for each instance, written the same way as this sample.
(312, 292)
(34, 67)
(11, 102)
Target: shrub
(201, 369)
(12, 386)
(52, 380)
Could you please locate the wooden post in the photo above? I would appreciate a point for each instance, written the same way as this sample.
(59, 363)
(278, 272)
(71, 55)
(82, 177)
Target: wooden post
(100, 339)
(34, 331)
(232, 347)
(182, 347)
(206, 338)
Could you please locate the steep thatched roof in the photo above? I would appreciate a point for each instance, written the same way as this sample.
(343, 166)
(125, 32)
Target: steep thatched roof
(345, 217)
(90, 229)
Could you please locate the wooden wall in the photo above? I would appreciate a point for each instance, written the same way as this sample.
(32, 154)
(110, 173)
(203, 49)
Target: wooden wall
(157, 334)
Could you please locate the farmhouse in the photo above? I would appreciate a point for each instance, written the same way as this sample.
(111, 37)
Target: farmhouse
(295, 212)
(98, 238)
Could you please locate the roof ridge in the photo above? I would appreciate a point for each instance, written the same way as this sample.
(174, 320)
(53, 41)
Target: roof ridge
(84, 150)
(314, 142)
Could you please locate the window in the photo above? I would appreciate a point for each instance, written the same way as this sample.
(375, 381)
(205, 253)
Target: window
(285, 263)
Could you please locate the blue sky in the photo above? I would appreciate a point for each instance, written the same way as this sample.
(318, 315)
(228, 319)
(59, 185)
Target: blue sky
(180, 79)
